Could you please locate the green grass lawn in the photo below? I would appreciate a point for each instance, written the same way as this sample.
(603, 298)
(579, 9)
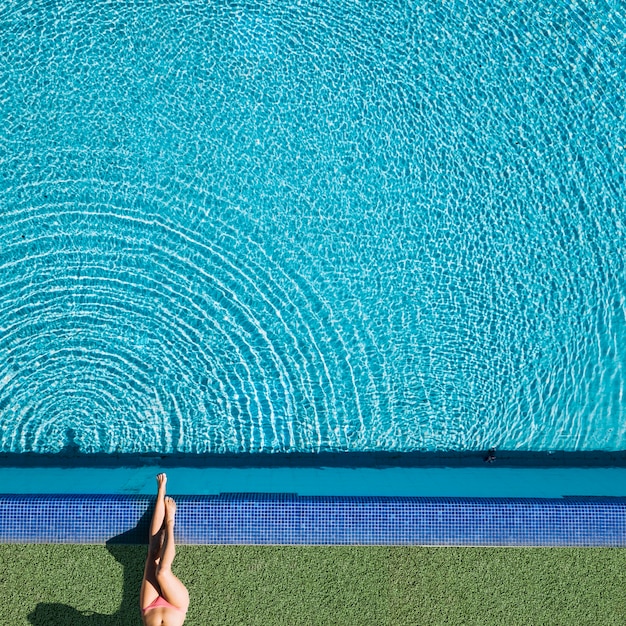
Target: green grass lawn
(68, 585)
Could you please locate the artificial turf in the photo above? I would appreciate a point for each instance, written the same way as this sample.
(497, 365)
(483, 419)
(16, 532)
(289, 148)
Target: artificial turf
(69, 585)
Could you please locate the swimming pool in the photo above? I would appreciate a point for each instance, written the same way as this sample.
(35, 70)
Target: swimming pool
(247, 227)
(244, 228)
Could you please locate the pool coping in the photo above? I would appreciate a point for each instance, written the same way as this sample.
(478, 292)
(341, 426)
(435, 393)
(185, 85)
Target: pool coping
(291, 519)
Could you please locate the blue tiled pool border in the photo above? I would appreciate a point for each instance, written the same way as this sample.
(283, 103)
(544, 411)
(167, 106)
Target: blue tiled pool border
(289, 519)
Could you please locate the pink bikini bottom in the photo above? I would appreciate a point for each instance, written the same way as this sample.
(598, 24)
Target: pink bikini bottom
(160, 601)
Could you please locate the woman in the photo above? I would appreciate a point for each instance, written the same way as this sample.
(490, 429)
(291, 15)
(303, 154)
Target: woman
(163, 598)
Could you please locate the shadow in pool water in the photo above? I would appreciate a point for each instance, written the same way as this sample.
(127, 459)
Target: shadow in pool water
(132, 557)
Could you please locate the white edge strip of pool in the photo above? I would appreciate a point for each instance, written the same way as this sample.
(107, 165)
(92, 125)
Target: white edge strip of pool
(482, 482)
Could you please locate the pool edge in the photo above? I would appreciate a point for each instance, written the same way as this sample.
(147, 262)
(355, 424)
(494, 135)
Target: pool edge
(290, 519)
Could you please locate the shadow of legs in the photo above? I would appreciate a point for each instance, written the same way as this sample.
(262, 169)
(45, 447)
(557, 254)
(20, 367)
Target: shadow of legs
(132, 557)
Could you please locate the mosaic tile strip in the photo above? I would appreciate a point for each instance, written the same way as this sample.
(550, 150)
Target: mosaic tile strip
(291, 520)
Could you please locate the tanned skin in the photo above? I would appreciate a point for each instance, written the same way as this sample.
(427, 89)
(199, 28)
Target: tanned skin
(158, 579)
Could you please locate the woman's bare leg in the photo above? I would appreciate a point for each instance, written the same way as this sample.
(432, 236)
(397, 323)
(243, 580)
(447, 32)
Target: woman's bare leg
(171, 588)
(149, 586)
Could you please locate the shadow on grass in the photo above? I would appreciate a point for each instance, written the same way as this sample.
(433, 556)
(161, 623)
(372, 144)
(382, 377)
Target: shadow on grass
(132, 558)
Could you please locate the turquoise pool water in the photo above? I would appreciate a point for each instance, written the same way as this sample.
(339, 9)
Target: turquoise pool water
(475, 482)
(303, 226)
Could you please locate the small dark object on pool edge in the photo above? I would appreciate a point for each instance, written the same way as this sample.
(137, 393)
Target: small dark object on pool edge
(491, 456)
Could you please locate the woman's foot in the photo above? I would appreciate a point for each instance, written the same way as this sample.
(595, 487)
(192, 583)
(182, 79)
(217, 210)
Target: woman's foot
(161, 482)
(170, 510)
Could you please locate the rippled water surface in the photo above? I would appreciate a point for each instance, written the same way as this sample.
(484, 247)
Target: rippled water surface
(258, 226)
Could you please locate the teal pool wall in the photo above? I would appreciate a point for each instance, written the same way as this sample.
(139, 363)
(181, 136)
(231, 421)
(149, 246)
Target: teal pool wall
(480, 481)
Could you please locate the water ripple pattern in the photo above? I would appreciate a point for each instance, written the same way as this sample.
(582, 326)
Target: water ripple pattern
(303, 226)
